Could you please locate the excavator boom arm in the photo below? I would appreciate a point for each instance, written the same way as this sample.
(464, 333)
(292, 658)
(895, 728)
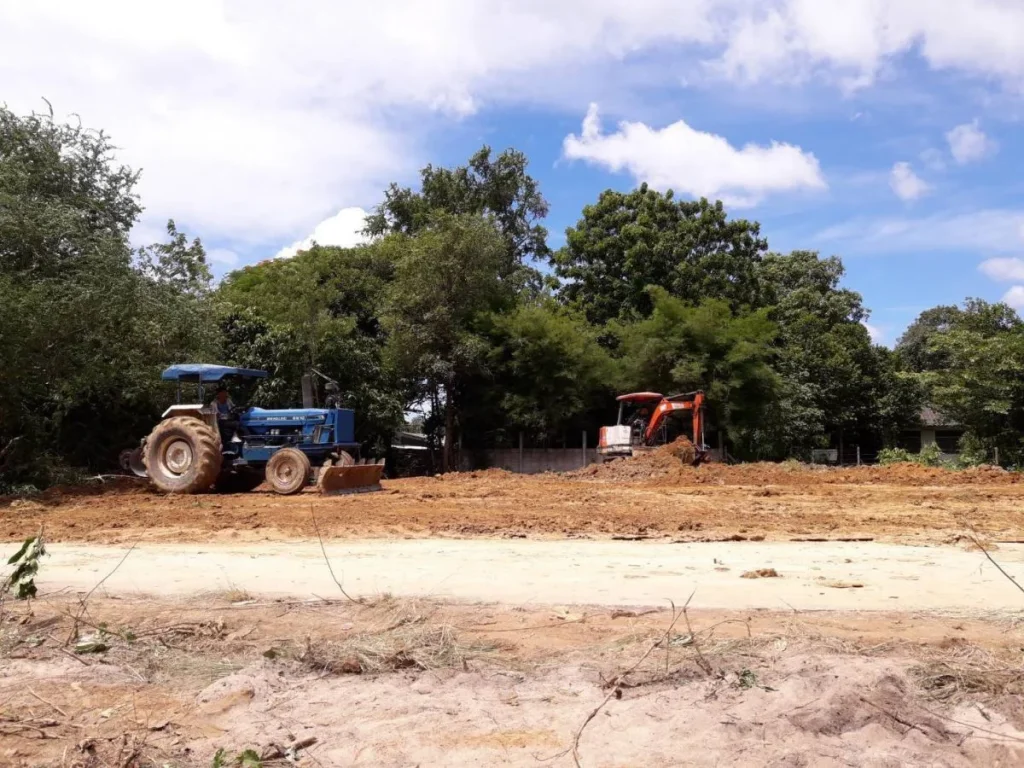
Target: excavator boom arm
(670, 405)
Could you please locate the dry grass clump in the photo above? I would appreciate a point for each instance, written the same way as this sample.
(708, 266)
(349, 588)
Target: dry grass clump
(406, 639)
(968, 669)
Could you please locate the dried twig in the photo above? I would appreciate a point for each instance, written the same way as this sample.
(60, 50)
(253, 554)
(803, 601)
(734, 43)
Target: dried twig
(328, 560)
(616, 681)
(992, 560)
(47, 703)
(84, 602)
(702, 662)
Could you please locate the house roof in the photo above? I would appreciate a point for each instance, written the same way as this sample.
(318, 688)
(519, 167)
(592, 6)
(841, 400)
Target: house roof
(930, 417)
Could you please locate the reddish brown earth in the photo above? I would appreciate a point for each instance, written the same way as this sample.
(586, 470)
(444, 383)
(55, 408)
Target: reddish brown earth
(653, 496)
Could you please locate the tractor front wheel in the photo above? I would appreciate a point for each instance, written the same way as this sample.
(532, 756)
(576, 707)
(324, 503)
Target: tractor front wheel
(288, 471)
(183, 456)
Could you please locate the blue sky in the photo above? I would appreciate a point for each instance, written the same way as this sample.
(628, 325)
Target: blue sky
(883, 131)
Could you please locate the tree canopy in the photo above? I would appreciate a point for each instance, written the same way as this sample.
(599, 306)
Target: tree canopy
(457, 308)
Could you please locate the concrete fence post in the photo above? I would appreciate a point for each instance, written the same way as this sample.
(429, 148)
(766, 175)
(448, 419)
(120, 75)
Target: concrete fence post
(520, 453)
(997, 455)
(584, 449)
(858, 455)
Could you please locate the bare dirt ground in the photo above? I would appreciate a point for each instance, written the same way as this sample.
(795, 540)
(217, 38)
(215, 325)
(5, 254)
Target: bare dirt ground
(809, 667)
(643, 498)
(402, 683)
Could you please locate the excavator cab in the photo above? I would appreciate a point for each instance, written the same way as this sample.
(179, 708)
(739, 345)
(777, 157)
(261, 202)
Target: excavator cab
(643, 420)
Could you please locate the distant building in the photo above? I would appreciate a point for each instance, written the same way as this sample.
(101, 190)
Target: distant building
(935, 429)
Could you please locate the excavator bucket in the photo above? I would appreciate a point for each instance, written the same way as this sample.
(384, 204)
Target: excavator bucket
(359, 476)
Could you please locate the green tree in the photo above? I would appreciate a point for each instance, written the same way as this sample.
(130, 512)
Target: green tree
(320, 310)
(89, 323)
(547, 368)
(447, 283)
(980, 383)
(728, 354)
(825, 356)
(496, 187)
(630, 240)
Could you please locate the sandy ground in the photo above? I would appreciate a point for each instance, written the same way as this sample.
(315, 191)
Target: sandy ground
(813, 576)
(503, 614)
(180, 680)
(712, 503)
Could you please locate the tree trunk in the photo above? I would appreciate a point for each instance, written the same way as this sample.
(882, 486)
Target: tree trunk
(449, 428)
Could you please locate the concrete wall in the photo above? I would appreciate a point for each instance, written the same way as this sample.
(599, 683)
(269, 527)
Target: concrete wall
(536, 460)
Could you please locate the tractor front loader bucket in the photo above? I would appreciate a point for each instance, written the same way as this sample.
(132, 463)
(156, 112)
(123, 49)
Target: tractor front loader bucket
(358, 477)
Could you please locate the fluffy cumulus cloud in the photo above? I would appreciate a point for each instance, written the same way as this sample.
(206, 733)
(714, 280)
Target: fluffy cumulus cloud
(905, 183)
(1015, 297)
(252, 120)
(692, 161)
(1004, 269)
(968, 143)
(345, 228)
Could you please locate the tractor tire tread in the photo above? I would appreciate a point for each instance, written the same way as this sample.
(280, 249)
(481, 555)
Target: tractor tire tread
(205, 447)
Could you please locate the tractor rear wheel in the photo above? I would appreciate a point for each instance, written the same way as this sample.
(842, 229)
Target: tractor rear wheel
(183, 455)
(288, 471)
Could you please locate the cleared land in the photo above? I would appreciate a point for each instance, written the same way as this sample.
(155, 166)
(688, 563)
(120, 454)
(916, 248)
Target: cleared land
(652, 497)
(862, 651)
(400, 683)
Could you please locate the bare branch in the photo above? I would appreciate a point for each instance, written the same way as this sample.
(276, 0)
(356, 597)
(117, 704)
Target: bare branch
(328, 560)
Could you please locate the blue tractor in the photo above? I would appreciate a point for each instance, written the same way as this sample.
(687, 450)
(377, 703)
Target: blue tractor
(200, 446)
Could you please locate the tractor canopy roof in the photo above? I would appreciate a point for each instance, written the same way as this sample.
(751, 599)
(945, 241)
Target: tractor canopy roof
(202, 372)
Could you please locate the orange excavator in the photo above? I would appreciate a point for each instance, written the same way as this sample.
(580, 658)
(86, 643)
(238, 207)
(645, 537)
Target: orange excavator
(644, 427)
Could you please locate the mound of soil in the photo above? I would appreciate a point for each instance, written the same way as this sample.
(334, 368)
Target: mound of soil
(670, 465)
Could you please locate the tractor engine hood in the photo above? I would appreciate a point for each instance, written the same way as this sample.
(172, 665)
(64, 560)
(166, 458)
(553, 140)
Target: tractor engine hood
(284, 416)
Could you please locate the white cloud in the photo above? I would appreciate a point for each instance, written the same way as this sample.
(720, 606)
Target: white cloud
(1003, 269)
(1015, 297)
(222, 256)
(983, 231)
(345, 228)
(253, 120)
(697, 163)
(877, 334)
(905, 183)
(968, 143)
(852, 42)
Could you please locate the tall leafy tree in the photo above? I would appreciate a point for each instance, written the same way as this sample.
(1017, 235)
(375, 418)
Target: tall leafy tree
(495, 186)
(977, 375)
(95, 321)
(682, 347)
(320, 310)
(630, 240)
(447, 283)
(547, 368)
(825, 355)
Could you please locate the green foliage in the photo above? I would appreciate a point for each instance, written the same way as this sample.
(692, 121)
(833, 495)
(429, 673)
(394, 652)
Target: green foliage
(980, 383)
(888, 456)
(319, 310)
(95, 321)
(498, 188)
(26, 566)
(248, 758)
(710, 347)
(549, 366)
(930, 456)
(628, 241)
(445, 288)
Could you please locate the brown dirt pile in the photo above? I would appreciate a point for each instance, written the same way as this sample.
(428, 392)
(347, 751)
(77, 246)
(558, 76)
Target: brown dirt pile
(663, 465)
